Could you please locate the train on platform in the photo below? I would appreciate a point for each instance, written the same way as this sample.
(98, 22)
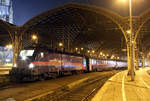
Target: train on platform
(44, 62)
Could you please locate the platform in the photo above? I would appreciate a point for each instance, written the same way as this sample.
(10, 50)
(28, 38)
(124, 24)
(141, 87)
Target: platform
(120, 87)
(4, 70)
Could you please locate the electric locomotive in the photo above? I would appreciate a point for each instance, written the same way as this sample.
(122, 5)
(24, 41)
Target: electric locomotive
(47, 62)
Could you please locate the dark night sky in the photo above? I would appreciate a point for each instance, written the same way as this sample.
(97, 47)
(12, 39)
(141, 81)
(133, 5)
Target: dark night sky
(26, 9)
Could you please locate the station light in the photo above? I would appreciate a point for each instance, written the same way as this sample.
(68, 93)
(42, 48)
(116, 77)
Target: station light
(60, 44)
(122, 1)
(9, 46)
(101, 53)
(88, 51)
(76, 49)
(128, 31)
(112, 57)
(82, 48)
(34, 37)
(93, 51)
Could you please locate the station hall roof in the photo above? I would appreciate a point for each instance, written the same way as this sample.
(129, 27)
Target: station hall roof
(80, 26)
(5, 30)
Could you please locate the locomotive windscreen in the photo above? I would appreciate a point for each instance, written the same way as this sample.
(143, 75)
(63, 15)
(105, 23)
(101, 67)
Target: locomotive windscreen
(26, 53)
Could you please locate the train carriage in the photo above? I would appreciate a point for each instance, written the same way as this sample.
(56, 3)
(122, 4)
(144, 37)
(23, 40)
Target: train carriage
(104, 65)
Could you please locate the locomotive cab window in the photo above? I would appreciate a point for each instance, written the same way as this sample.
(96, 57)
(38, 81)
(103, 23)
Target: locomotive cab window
(42, 54)
(26, 53)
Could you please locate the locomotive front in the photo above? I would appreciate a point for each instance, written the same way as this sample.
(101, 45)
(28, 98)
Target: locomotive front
(26, 58)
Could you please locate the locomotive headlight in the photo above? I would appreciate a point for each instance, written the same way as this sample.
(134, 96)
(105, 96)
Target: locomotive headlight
(31, 65)
(24, 57)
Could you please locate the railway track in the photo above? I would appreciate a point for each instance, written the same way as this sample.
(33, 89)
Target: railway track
(83, 92)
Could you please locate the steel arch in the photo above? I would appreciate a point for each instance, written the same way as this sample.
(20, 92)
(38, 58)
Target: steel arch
(116, 18)
(145, 16)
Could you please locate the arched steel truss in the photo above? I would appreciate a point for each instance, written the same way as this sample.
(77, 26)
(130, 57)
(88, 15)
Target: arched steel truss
(116, 18)
(120, 21)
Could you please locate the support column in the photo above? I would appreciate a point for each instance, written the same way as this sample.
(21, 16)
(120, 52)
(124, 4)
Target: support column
(134, 55)
(131, 69)
(15, 48)
(137, 60)
(17, 45)
(128, 57)
(149, 61)
(143, 61)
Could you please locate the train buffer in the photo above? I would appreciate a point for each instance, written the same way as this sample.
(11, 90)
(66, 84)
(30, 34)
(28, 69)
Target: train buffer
(120, 87)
